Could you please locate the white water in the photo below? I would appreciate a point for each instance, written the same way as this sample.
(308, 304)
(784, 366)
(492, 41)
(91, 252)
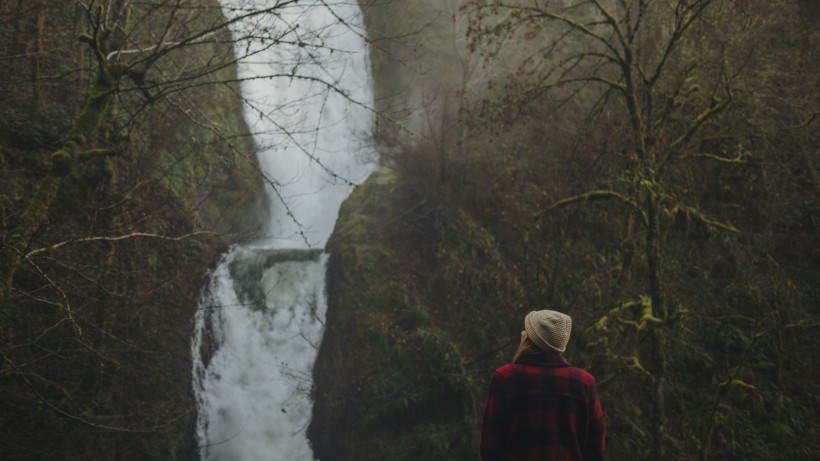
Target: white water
(263, 312)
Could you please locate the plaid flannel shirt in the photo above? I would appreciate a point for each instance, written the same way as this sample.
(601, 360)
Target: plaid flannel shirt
(540, 408)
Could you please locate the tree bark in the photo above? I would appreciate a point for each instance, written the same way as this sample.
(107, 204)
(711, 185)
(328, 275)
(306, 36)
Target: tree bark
(63, 164)
(658, 339)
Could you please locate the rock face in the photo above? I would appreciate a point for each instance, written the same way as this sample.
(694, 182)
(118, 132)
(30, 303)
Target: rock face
(398, 376)
(357, 271)
(417, 62)
(361, 402)
(390, 380)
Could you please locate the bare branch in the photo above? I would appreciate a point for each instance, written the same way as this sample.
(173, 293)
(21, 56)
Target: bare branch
(596, 195)
(704, 218)
(808, 122)
(739, 158)
(118, 238)
(610, 19)
(715, 108)
(25, 377)
(584, 30)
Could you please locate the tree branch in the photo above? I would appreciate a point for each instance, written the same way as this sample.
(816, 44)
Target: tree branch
(118, 238)
(595, 195)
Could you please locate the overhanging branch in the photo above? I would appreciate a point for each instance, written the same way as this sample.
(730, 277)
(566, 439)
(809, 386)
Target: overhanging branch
(118, 238)
(598, 194)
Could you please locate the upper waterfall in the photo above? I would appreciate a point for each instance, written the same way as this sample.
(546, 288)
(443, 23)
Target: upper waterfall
(306, 82)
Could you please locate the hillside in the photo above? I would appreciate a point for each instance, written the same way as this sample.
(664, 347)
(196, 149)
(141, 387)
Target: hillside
(96, 327)
(684, 248)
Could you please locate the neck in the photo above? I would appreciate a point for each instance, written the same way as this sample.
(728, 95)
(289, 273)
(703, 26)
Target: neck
(542, 358)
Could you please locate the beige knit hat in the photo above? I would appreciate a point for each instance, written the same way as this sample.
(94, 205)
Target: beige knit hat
(549, 330)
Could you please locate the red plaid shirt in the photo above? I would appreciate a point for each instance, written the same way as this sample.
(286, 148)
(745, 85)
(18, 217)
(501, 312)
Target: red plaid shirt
(540, 408)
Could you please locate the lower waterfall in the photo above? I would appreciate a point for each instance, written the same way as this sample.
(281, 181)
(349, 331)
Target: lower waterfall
(261, 318)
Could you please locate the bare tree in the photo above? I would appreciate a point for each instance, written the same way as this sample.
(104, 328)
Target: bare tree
(124, 157)
(657, 76)
(144, 49)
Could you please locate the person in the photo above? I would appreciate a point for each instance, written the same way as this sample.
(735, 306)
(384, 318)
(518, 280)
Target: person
(539, 407)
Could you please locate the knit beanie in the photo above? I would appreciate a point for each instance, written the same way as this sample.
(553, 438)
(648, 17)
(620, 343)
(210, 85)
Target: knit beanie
(549, 330)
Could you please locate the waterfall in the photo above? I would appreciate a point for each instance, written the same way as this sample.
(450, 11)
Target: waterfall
(261, 318)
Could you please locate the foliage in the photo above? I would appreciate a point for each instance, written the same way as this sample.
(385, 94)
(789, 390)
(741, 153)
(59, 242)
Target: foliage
(673, 217)
(394, 367)
(95, 329)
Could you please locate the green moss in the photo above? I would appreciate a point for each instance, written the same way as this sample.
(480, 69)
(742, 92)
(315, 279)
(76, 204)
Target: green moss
(126, 364)
(398, 336)
(63, 163)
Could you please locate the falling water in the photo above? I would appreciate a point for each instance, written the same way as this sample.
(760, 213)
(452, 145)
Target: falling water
(261, 318)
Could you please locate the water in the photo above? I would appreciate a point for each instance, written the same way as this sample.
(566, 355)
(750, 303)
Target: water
(261, 318)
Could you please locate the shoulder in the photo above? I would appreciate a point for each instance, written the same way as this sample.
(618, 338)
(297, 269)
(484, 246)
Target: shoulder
(575, 374)
(583, 378)
(582, 375)
(504, 371)
(510, 370)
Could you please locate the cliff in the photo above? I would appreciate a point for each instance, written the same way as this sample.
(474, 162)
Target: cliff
(399, 369)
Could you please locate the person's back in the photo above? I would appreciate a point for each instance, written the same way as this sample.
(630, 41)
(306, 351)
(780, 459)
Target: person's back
(539, 407)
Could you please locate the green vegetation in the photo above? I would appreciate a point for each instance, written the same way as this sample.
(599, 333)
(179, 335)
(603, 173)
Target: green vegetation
(674, 217)
(649, 168)
(120, 186)
(394, 358)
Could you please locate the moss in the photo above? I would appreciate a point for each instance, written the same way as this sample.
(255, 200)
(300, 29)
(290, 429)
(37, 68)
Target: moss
(96, 102)
(394, 327)
(62, 163)
(132, 299)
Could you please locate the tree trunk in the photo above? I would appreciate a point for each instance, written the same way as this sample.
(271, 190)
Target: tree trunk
(658, 335)
(63, 163)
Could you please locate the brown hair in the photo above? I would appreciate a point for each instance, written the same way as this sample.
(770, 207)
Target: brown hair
(526, 347)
